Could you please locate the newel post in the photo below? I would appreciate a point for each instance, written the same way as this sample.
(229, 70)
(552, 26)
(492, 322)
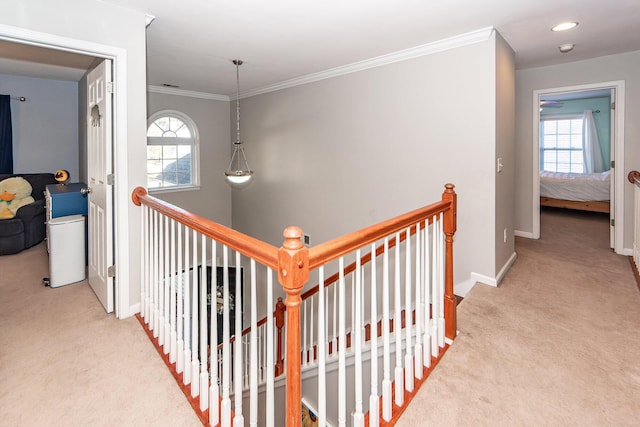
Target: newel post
(449, 227)
(293, 273)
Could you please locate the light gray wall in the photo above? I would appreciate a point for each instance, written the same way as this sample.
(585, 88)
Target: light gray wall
(213, 199)
(344, 153)
(45, 126)
(107, 25)
(604, 69)
(505, 149)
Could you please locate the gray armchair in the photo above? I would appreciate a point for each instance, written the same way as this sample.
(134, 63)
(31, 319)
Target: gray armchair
(28, 227)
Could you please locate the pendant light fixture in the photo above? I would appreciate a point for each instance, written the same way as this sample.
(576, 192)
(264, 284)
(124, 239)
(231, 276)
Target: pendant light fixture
(238, 172)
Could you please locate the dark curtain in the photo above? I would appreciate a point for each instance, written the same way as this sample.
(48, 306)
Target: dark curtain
(6, 137)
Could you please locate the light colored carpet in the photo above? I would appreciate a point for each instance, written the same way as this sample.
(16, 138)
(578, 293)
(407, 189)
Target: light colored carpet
(557, 344)
(65, 362)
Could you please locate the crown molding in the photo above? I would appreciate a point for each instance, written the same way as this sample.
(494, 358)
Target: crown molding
(189, 93)
(465, 39)
(460, 40)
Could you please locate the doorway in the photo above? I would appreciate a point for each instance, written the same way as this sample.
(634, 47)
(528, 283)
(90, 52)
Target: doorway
(120, 216)
(567, 97)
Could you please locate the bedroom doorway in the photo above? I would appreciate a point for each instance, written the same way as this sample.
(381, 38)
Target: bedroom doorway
(120, 218)
(558, 118)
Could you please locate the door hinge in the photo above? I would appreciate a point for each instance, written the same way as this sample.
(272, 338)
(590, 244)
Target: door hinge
(111, 179)
(613, 105)
(111, 87)
(613, 164)
(111, 271)
(613, 222)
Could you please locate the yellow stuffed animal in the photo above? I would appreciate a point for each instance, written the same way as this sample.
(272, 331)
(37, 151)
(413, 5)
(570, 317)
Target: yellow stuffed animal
(15, 192)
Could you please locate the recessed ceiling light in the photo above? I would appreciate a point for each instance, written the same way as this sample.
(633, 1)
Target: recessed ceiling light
(564, 26)
(567, 47)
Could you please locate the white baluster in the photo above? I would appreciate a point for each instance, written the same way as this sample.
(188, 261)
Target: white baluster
(374, 399)
(195, 363)
(334, 337)
(214, 407)
(434, 289)
(186, 376)
(204, 369)
(397, 327)
(226, 359)
(408, 315)
(172, 292)
(238, 420)
(386, 379)
(145, 265)
(342, 350)
(166, 282)
(179, 305)
(441, 282)
(270, 350)
(305, 323)
(322, 339)
(358, 416)
(418, 304)
(253, 410)
(161, 282)
(311, 328)
(156, 280)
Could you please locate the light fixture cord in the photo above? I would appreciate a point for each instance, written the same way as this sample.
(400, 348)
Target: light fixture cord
(238, 108)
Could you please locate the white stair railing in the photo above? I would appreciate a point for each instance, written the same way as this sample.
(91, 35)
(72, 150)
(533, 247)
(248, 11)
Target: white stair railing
(203, 283)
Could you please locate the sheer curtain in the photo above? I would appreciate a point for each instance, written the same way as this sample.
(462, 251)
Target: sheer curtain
(591, 145)
(6, 138)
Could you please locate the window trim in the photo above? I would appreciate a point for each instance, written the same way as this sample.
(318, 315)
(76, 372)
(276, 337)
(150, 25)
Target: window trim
(195, 151)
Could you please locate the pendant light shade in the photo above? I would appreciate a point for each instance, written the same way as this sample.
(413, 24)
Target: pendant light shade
(238, 172)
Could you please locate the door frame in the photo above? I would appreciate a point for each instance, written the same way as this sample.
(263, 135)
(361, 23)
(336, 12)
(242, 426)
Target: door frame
(120, 142)
(618, 154)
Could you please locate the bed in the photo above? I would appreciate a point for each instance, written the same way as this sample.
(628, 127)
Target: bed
(581, 191)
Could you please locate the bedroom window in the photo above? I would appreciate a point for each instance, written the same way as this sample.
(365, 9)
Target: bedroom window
(561, 145)
(172, 152)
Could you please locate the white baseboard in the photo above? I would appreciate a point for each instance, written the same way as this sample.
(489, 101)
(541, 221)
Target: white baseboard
(627, 251)
(477, 277)
(134, 309)
(463, 288)
(525, 234)
(506, 267)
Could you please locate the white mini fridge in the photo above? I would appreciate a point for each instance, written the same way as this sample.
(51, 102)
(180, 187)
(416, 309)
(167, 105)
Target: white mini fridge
(66, 244)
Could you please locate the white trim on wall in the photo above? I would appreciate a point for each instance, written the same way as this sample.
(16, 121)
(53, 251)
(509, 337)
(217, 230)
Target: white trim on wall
(188, 93)
(618, 144)
(121, 198)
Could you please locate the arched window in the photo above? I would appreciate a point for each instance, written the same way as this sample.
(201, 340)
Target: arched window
(172, 151)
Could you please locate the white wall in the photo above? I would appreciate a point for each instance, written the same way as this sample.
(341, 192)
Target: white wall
(344, 153)
(604, 69)
(45, 126)
(99, 25)
(505, 149)
(213, 199)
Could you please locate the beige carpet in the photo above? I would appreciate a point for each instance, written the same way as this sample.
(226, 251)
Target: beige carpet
(557, 344)
(65, 362)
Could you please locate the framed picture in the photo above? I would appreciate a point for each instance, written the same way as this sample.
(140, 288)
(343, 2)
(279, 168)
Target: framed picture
(217, 299)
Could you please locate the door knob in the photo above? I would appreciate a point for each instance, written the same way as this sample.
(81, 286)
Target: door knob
(85, 191)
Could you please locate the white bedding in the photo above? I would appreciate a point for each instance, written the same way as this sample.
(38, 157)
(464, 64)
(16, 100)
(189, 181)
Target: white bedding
(575, 186)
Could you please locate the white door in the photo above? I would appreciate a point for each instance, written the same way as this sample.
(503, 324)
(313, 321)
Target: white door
(99, 169)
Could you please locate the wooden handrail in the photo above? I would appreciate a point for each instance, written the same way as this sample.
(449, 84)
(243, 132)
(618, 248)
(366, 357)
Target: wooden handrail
(333, 249)
(251, 247)
(293, 262)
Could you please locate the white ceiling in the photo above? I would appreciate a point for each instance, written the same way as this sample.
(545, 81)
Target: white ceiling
(191, 43)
